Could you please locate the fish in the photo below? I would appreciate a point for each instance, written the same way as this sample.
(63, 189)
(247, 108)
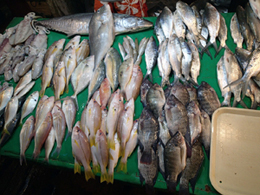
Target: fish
(186, 60)
(158, 31)
(69, 110)
(101, 33)
(47, 73)
(255, 7)
(148, 172)
(222, 82)
(125, 124)
(191, 171)
(222, 34)
(102, 154)
(96, 96)
(93, 119)
(41, 134)
(23, 82)
(83, 121)
(25, 90)
(103, 126)
(195, 63)
(243, 56)
(166, 21)
(175, 154)
(5, 97)
(132, 88)
(163, 63)
(11, 110)
(181, 93)
(82, 50)
(151, 54)
(208, 98)
(39, 42)
(10, 128)
(212, 21)
(5, 48)
(59, 80)
(145, 86)
(74, 43)
(148, 129)
(205, 136)
(28, 42)
(81, 76)
(49, 143)
(122, 50)
(199, 18)
(81, 152)
(59, 125)
(192, 92)
(113, 159)
(176, 116)
(8, 73)
(125, 72)
(141, 50)
(104, 92)
(253, 22)
(29, 105)
(244, 27)
(26, 134)
(38, 108)
(112, 62)
(112, 118)
(56, 50)
(129, 147)
(179, 26)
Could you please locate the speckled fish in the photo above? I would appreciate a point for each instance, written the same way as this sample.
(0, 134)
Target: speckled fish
(23, 82)
(10, 112)
(255, 5)
(113, 159)
(176, 116)
(222, 34)
(49, 143)
(59, 80)
(208, 98)
(112, 62)
(55, 49)
(132, 88)
(38, 64)
(96, 79)
(101, 33)
(205, 136)
(145, 86)
(41, 134)
(69, 110)
(93, 119)
(5, 97)
(212, 21)
(148, 172)
(82, 50)
(235, 31)
(129, 147)
(175, 154)
(74, 42)
(29, 105)
(102, 154)
(125, 73)
(81, 152)
(59, 125)
(26, 134)
(222, 82)
(195, 63)
(47, 73)
(193, 165)
(151, 54)
(104, 92)
(148, 130)
(179, 26)
(193, 113)
(155, 99)
(253, 22)
(244, 27)
(180, 92)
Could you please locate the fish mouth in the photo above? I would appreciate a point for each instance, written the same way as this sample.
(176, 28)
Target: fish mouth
(145, 23)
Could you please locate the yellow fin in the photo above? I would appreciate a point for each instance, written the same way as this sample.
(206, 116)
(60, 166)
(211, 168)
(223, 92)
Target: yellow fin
(110, 178)
(103, 177)
(6, 131)
(76, 143)
(110, 156)
(92, 141)
(122, 167)
(96, 169)
(89, 174)
(111, 144)
(122, 150)
(77, 168)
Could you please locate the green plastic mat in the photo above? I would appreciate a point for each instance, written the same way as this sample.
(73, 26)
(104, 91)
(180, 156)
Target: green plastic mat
(65, 159)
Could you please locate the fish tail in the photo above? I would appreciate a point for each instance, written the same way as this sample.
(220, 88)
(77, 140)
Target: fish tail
(103, 176)
(68, 135)
(22, 158)
(146, 158)
(165, 81)
(254, 104)
(215, 46)
(205, 48)
(5, 131)
(96, 168)
(35, 154)
(42, 92)
(242, 103)
(225, 103)
(218, 50)
(67, 87)
(208, 53)
(110, 178)
(89, 174)
(122, 167)
(150, 76)
(74, 97)
(56, 151)
(111, 144)
(122, 149)
(46, 159)
(57, 96)
(195, 83)
(77, 168)
(171, 185)
(92, 141)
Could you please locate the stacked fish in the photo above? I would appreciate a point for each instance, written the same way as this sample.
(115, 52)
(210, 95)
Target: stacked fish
(21, 50)
(172, 128)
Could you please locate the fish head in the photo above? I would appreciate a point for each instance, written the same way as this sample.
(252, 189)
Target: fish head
(135, 23)
(100, 136)
(178, 139)
(104, 13)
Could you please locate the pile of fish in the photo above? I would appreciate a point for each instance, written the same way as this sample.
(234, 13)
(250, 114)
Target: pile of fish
(22, 50)
(174, 124)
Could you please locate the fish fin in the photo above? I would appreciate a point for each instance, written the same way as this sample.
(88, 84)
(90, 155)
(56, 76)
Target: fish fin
(68, 135)
(96, 169)
(241, 81)
(42, 92)
(201, 37)
(70, 35)
(122, 167)
(215, 46)
(92, 141)
(35, 155)
(171, 186)
(218, 50)
(254, 104)
(89, 174)
(242, 103)
(110, 178)
(208, 53)
(111, 144)
(74, 97)
(77, 168)
(56, 151)
(150, 76)
(6, 131)
(195, 83)
(46, 159)
(103, 177)
(146, 158)
(149, 189)
(122, 149)
(140, 145)
(165, 81)
(22, 158)
(206, 47)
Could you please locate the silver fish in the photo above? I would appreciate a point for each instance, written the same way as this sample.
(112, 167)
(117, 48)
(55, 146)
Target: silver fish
(5, 97)
(59, 80)
(222, 34)
(8, 73)
(74, 42)
(186, 59)
(69, 110)
(26, 66)
(179, 26)
(26, 89)
(10, 112)
(23, 82)
(195, 63)
(49, 143)
(55, 49)
(82, 50)
(253, 22)
(151, 54)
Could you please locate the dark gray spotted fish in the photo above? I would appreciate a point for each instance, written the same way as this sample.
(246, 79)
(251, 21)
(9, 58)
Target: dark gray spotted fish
(205, 136)
(181, 93)
(145, 86)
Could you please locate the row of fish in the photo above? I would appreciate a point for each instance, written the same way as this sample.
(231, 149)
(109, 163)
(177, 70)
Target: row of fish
(174, 124)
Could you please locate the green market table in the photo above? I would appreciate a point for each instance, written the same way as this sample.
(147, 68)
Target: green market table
(208, 73)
